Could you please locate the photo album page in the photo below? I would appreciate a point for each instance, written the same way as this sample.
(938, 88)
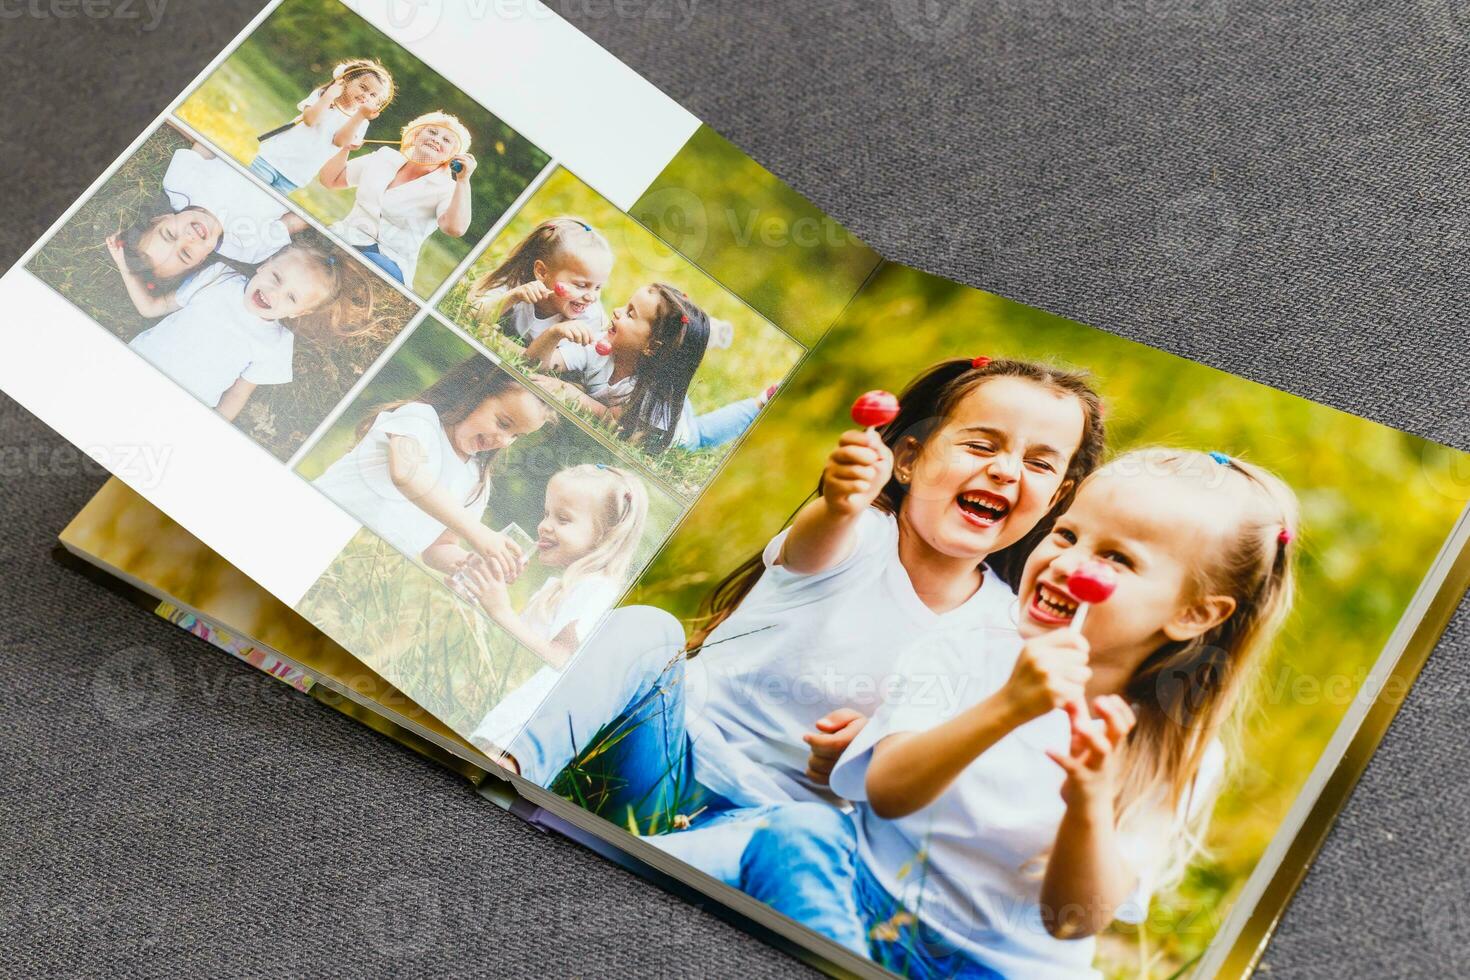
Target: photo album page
(955, 637)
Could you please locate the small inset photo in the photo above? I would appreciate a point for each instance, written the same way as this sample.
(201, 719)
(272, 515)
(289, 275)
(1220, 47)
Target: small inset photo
(225, 290)
(528, 528)
(366, 138)
(623, 330)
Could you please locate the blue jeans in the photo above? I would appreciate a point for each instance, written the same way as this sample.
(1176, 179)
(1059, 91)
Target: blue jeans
(717, 427)
(803, 862)
(271, 175)
(375, 255)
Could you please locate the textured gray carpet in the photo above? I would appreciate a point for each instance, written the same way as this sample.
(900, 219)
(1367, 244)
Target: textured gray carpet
(1278, 193)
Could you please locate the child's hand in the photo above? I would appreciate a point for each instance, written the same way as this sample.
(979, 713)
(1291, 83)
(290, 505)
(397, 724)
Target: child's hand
(1091, 761)
(856, 472)
(835, 732)
(467, 162)
(334, 91)
(499, 551)
(486, 584)
(119, 257)
(531, 292)
(574, 330)
(1050, 673)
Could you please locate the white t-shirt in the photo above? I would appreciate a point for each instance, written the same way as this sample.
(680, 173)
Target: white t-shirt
(361, 484)
(299, 153)
(581, 608)
(250, 217)
(522, 322)
(398, 220)
(800, 646)
(592, 372)
(213, 340)
(972, 860)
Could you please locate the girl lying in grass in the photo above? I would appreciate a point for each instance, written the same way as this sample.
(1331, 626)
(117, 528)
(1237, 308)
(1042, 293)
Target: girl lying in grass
(967, 854)
(213, 212)
(554, 277)
(224, 333)
(419, 475)
(908, 540)
(590, 531)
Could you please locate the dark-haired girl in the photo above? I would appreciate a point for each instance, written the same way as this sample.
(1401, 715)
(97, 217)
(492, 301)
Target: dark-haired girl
(419, 475)
(913, 538)
(639, 372)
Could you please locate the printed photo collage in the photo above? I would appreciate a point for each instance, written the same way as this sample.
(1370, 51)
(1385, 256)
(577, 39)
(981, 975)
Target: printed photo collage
(516, 387)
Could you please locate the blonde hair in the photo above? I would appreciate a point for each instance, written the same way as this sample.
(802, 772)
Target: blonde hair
(441, 119)
(346, 71)
(618, 502)
(1185, 692)
(547, 242)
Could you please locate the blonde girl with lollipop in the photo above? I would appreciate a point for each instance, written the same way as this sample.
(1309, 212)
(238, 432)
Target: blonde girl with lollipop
(1023, 861)
(405, 193)
(589, 533)
(553, 278)
(333, 115)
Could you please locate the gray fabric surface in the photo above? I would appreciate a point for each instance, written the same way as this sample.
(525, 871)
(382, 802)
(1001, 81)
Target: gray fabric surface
(1277, 192)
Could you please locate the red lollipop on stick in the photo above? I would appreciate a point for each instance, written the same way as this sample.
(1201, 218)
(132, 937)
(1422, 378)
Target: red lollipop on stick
(559, 288)
(875, 408)
(1094, 582)
(603, 346)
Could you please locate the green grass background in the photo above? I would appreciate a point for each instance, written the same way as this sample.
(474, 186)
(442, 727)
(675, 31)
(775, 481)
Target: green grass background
(75, 262)
(1377, 505)
(761, 353)
(257, 88)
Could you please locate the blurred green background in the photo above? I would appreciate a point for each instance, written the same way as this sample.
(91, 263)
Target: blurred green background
(760, 355)
(1377, 506)
(75, 262)
(258, 87)
(746, 228)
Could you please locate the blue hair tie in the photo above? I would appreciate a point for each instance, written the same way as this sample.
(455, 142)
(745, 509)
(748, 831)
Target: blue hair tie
(585, 226)
(331, 260)
(1220, 458)
(601, 466)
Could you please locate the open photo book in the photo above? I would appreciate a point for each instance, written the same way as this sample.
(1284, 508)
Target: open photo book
(457, 377)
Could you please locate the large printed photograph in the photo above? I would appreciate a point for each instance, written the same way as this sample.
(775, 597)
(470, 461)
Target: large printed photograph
(1005, 647)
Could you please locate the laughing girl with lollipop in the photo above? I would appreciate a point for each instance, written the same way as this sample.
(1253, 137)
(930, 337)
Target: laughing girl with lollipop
(1021, 862)
(912, 536)
(553, 278)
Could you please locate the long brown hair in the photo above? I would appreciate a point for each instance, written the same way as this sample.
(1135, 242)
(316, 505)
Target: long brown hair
(924, 406)
(677, 343)
(453, 398)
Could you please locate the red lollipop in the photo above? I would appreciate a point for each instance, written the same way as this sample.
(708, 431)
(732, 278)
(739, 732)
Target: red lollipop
(1092, 583)
(603, 346)
(559, 288)
(875, 408)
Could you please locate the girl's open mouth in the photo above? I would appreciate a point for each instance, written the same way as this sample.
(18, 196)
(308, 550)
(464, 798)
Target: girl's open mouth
(983, 509)
(260, 302)
(1051, 607)
(200, 232)
(577, 309)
